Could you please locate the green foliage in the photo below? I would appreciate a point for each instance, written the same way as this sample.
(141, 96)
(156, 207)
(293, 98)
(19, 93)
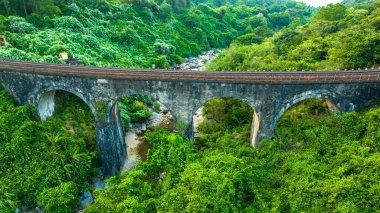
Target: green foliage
(247, 39)
(125, 119)
(138, 190)
(62, 198)
(336, 38)
(156, 107)
(181, 126)
(280, 19)
(138, 33)
(69, 23)
(330, 153)
(134, 109)
(318, 161)
(224, 114)
(101, 107)
(36, 157)
(352, 3)
(332, 12)
(19, 25)
(7, 199)
(139, 112)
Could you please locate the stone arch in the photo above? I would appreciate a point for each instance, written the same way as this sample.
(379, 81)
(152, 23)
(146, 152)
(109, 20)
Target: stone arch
(310, 94)
(255, 126)
(46, 104)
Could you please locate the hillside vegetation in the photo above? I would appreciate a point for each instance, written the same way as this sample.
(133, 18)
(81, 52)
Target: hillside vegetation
(45, 163)
(337, 38)
(317, 162)
(137, 33)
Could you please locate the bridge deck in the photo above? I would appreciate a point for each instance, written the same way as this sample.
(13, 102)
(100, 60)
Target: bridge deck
(195, 76)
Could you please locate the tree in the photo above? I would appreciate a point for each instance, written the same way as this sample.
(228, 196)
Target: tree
(279, 20)
(62, 198)
(332, 12)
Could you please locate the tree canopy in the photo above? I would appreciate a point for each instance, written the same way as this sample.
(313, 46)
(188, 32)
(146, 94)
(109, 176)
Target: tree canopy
(337, 38)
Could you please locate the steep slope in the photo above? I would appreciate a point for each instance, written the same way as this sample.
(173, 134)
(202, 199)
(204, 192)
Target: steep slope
(133, 33)
(336, 38)
(317, 162)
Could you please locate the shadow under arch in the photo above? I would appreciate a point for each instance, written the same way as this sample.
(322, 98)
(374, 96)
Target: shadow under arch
(328, 96)
(197, 117)
(46, 102)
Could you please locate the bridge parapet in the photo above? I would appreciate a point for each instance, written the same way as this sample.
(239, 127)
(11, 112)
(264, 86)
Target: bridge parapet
(104, 73)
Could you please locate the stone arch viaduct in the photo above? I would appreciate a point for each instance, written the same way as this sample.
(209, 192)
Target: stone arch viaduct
(182, 92)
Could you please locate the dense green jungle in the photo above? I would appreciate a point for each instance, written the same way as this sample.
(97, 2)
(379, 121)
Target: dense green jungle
(318, 161)
(336, 38)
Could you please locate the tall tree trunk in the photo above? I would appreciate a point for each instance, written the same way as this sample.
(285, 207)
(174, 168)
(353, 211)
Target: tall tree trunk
(6, 7)
(35, 6)
(26, 12)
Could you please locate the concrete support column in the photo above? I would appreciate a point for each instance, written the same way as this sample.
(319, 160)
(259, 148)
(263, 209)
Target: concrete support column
(110, 140)
(183, 119)
(254, 139)
(46, 105)
(265, 127)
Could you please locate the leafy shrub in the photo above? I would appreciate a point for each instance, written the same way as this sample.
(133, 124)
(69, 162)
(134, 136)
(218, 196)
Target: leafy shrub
(34, 157)
(247, 39)
(139, 112)
(161, 62)
(156, 107)
(176, 58)
(91, 42)
(165, 10)
(19, 25)
(56, 49)
(7, 199)
(74, 10)
(163, 48)
(125, 119)
(40, 21)
(134, 109)
(62, 198)
(68, 23)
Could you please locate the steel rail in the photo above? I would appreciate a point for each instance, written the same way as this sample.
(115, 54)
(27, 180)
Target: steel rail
(182, 72)
(77, 67)
(195, 76)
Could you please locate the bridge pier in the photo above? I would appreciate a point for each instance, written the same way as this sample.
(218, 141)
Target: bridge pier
(46, 105)
(110, 141)
(255, 127)
(263, 126)
(183, 120)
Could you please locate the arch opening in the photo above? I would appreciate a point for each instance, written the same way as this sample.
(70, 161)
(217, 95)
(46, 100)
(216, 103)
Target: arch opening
(70, 111)
(225, 116)
(139, 113)
(46, 106)
(306, 108)
(310, 94)
(304, 114)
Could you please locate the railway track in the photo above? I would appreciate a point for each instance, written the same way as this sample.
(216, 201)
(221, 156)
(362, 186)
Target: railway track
(194, 76)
